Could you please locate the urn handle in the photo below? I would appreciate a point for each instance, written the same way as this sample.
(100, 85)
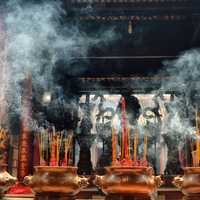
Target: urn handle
(178, 181)
(83, 182)
(98, 181)
(158, 181)
(6, 181)
(28, 180)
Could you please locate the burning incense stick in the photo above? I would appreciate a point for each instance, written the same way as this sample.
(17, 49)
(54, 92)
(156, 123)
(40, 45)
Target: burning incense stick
(41, 148)
(47, 146)
(114, 146)
(53, 160)
(128, 144)
(50, 146)
(135, 145)
(57, 149)
(68, 143)
(124, 131)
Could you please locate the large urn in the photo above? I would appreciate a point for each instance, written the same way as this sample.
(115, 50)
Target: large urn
(189, 183)
(51, 180)
(128, 180)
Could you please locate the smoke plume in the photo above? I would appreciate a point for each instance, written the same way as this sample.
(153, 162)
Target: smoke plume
(38, 35)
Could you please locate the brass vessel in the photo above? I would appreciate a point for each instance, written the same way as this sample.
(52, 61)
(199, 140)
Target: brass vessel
(189, 183)
(128, 180)
(48, 179)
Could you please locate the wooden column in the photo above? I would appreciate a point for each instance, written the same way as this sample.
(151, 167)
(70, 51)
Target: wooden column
(25, 138)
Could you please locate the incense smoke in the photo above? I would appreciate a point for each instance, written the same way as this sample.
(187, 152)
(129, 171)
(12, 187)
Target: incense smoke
(178, 125)
(184, 73)
(38, 36)
(174, 118)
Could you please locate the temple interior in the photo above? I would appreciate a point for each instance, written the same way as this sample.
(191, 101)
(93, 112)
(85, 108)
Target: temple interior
(100, 99)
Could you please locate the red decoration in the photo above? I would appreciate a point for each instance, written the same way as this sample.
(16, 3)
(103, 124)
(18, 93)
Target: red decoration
(64, 163)
(125, 159)
(19, 188)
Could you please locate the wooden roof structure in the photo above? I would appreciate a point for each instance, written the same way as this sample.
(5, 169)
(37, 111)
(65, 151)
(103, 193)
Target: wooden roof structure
(160, 31)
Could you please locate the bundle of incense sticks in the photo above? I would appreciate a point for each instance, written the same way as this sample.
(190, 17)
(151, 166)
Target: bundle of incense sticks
(135, 145)
(3, 134)
(68, 143)
(54, 147)
(125, 158)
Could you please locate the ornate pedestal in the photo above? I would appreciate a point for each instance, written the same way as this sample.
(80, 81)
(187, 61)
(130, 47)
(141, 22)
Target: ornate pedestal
(192, 197)
(53, 196)
(127, 197)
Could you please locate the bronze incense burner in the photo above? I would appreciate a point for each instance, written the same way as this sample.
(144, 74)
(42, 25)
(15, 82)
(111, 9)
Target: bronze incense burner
(48, 179)
(189, 183)
(128, 180)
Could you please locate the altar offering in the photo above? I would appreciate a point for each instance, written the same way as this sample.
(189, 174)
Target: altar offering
(128, 175)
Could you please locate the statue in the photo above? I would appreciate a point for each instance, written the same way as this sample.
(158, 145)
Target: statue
(85, 139)
(104, 128)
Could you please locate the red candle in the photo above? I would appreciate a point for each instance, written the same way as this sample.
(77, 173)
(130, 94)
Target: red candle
(114, 146)
(124, 131)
